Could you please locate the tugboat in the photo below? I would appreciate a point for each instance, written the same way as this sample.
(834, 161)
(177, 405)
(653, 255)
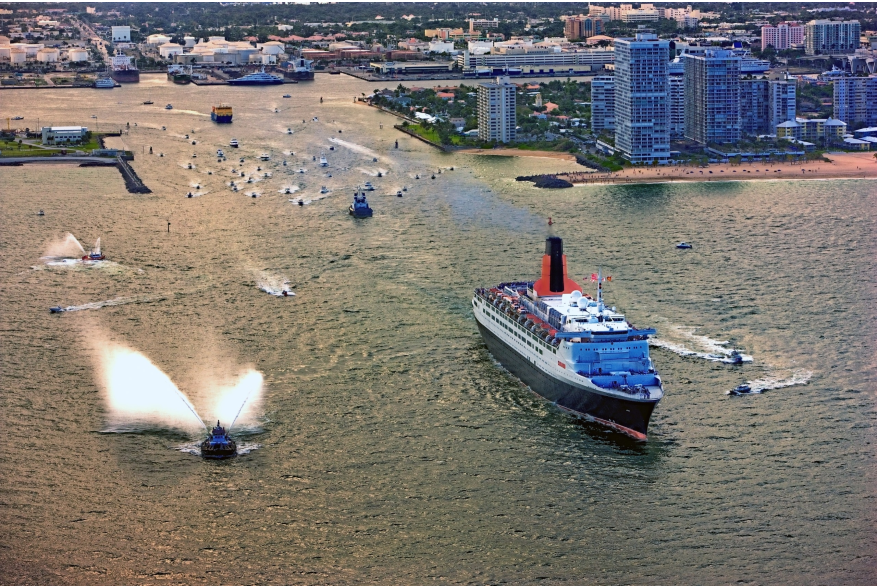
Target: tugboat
(359, 208)
(219, 445)
(223, 113)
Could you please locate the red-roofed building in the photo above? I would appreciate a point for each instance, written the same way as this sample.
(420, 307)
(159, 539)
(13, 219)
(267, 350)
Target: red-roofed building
(445, 95)
(549, 106)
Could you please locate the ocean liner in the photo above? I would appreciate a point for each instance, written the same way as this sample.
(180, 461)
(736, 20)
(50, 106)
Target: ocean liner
(571, 348)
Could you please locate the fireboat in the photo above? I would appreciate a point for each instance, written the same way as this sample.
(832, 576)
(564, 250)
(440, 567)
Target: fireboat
(219, 445)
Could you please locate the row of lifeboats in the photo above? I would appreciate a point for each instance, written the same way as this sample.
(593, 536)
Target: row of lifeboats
(532, 323)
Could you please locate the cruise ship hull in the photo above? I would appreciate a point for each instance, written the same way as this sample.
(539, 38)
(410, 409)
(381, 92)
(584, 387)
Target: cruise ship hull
(299, 75)
(628, 417)
(243, 82)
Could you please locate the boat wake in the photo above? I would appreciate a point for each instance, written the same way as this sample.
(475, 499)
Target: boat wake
(194, 448)
(373, 172)
(276, 285)
(113, 302)
(703, 347)
(799, 377)
(354, 147)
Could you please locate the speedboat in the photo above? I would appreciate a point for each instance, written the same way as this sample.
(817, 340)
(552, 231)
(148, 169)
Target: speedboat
(264, 156)
(301, 202)
(368, 186)
(301, 170)
(148, 103)
(258, 168)
(324, 190)
(287, 96)
(323, 161)
(164, 128)
(190, 166)
(683, 245)
(417, 176)
(331, 148)
(41, 213)
(220, 153)
(741, 389)
(194, 143)
(187, 136)
(241, 160)
(233, 143)
(360, 208)
(380, 174)
(189, 195)
(56, 309)
(399, 194)
(404, 189)
(289, 131)
(169, 107)
(194, 155)
(287, 191)
(219, 445)
(735, 358)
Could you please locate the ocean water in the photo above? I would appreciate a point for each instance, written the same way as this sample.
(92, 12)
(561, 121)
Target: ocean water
(386, 445)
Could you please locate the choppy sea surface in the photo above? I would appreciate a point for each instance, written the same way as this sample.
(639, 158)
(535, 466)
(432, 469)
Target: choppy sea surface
(386, 445)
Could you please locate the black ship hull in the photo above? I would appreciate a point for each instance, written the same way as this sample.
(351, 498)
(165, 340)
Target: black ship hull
(126, 76)
(628, 417)
(299, 75)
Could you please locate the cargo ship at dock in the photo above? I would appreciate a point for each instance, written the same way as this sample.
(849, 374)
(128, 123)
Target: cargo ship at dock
(179, 74)
(222, 114)
(123, 69)
(570, 348)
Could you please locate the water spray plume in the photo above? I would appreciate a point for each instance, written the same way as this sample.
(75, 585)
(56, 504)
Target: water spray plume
(65, 247)
(139, 393)
(233, 400)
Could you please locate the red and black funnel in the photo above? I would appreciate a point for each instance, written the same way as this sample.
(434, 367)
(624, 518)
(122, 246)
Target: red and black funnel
(554, 281)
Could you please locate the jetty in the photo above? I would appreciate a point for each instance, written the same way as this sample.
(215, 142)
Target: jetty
(132, 182)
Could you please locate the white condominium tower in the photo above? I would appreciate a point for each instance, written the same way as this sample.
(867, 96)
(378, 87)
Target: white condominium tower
(496, 111)
(642, 105)
(831, 37)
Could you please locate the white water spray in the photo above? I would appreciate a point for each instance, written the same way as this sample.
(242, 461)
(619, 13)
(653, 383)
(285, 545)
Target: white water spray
(139, 394)
(66, 247)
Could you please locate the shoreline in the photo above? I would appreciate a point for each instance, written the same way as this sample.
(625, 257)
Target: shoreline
(842, 165)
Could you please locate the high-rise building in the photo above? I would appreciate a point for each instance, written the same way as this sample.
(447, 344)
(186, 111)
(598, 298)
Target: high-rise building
(712, 97)
(855, 100)
(642, 106)
(781, 102)
(754, 97)
(782, 36)
(831, 37)
(582, 27)
(602, 103)
(496, 111)
(676, 90)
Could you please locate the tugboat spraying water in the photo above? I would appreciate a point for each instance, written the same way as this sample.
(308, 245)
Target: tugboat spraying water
(219, 445)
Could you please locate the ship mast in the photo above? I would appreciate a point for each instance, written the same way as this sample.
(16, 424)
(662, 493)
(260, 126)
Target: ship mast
(600, 289)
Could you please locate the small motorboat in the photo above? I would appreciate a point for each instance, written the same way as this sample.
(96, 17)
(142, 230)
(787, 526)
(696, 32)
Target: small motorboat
(148, 103)
(323, 161)
(735, 358)
(287, 191)
(209, 173)
(169, 107)
(266, 175)
(380, 174)
(264, 156)
(399, 194)
(56, 309)
(161, 154)
(301, 170)
(241, 160)
(328, 175)
(254, 195)
(374, 159)
(242, 174)
(404, 189)
(301, 202)
(189, 195)
(433, 176)
(194, 155)
(41, 213)
(741, 389)
(194, 142)
(164, 128)
(233, 143)
(368, 186)
(219, 445)
(313, 157)
(360, 208)
(331, 148)
(289, 131)
(22, 117)
(683, 245)
(258, 168)
(287, 96)
(189, 166)
(417, 176)
(95, 255)
(187, 136)
(249, 180)
(198, 186)
(276, 110)
(324, 190)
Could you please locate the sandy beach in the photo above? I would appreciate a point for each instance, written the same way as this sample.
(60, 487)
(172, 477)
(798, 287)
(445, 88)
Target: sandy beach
(862, 165)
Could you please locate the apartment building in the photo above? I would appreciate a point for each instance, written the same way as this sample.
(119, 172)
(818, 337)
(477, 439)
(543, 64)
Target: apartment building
(782, 36)
(831, 37)
(497, 119)
(582, 27)
(642, 107)
(855, 100)
(602, 103)
(676, 89)
(712, 97)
